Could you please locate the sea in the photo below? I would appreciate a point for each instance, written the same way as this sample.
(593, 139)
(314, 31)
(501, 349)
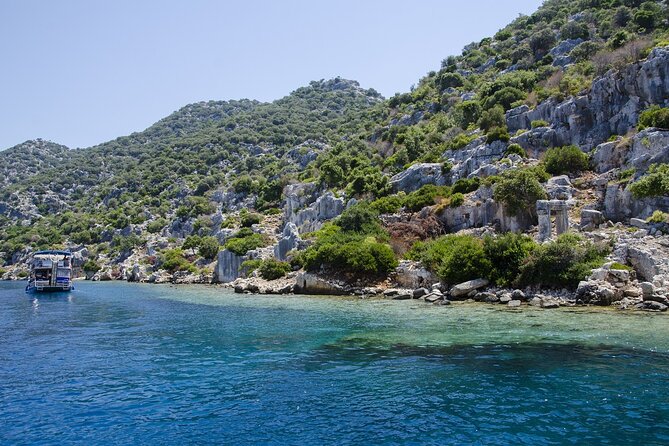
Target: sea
(114, 363)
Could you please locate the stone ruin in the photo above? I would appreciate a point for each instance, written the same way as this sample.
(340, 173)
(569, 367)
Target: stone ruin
(545, 210)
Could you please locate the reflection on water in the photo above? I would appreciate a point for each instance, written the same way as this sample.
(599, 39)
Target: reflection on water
(119, 363)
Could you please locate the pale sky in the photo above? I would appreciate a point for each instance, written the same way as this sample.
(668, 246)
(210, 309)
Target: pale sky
(81, 72)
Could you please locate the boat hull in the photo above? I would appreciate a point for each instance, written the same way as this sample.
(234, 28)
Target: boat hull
(48, 289)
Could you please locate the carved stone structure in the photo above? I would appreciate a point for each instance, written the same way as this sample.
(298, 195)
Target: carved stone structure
(547, 208)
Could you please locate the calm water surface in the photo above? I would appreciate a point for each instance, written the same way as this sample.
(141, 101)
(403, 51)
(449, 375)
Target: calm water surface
(114, 363)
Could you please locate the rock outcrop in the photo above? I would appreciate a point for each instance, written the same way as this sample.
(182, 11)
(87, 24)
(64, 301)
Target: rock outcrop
(611, 107)
(418, 176)
(227, 266)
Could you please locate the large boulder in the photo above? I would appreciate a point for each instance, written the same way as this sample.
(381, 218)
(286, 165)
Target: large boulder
(463, 289)
(309, 283)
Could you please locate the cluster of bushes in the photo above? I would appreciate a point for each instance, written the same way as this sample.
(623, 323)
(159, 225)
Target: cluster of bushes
(510, 259)
(427, 195)
(269, 269)
(207, 246)
(355, 244)
(174, 260)
(654, 184)
(244, 241)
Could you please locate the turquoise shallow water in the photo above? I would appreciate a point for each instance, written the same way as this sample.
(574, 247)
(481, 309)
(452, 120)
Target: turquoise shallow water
(115, 363)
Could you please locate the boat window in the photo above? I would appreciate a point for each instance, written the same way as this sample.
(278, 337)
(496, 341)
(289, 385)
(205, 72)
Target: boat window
(62, 272)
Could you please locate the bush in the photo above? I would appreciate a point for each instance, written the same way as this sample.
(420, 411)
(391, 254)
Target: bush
(507, 254)
(248, 219)
(209, 247)
(339, 251)
(519, 190)
(243, 242)
(515, 149)
(498, 134)
(567, 159)
(386, 205)
(493, 117)
(655, 116)
(91, 266)
(457, 199)
(467, 112)
(459, 141)
(466, 185)
(655, 183)
(450, 80)
(539, 123)
(455, 258)
(562, 263)
(272, 269)
(425, 196)
(505, 97)
(658, 217)
(156, 225)
(173, 260)
(360, 218)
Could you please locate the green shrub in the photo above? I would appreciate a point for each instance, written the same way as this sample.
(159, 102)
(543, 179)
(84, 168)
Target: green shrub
(654, 184)
(425, 196)
(387, 205)
(466, 185)
(460, 141)
(562, 263)
(655, 116)
(360, 218)
(173, 260)
(498, 134)
(251, 265)
(348, 252)
(243, 242)
(91, 265)
(658, 217)
(209, 247)
(492, 117)
(457, 199)
(567, 159)
(156, 226)
(506, 254)
(272, 269)
(455, 258)
(515, 149)
(248, 219)
(539, 123)
(519, 190)
(450, 80)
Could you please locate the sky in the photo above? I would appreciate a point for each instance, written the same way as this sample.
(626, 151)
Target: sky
(81, 72)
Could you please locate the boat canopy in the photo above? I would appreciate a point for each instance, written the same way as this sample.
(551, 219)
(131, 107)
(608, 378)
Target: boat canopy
(53, 252)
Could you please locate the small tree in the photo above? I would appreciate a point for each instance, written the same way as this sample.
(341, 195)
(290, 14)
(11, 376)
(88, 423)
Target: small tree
(519, 190)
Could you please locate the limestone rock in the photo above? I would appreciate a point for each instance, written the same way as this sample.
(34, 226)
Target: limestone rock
(465, 288)
(417, 176)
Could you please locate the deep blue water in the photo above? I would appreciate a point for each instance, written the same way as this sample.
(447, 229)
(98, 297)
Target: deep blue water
(114, 363)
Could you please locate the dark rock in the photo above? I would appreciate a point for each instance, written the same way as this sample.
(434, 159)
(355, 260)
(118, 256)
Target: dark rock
(420, 292)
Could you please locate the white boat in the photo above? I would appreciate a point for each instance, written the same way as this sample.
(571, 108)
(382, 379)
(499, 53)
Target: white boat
(50, 271)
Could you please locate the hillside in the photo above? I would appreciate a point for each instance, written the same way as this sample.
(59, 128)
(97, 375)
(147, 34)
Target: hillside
(559, 112)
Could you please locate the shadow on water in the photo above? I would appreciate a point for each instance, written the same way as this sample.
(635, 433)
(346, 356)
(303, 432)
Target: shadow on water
(542, 357)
